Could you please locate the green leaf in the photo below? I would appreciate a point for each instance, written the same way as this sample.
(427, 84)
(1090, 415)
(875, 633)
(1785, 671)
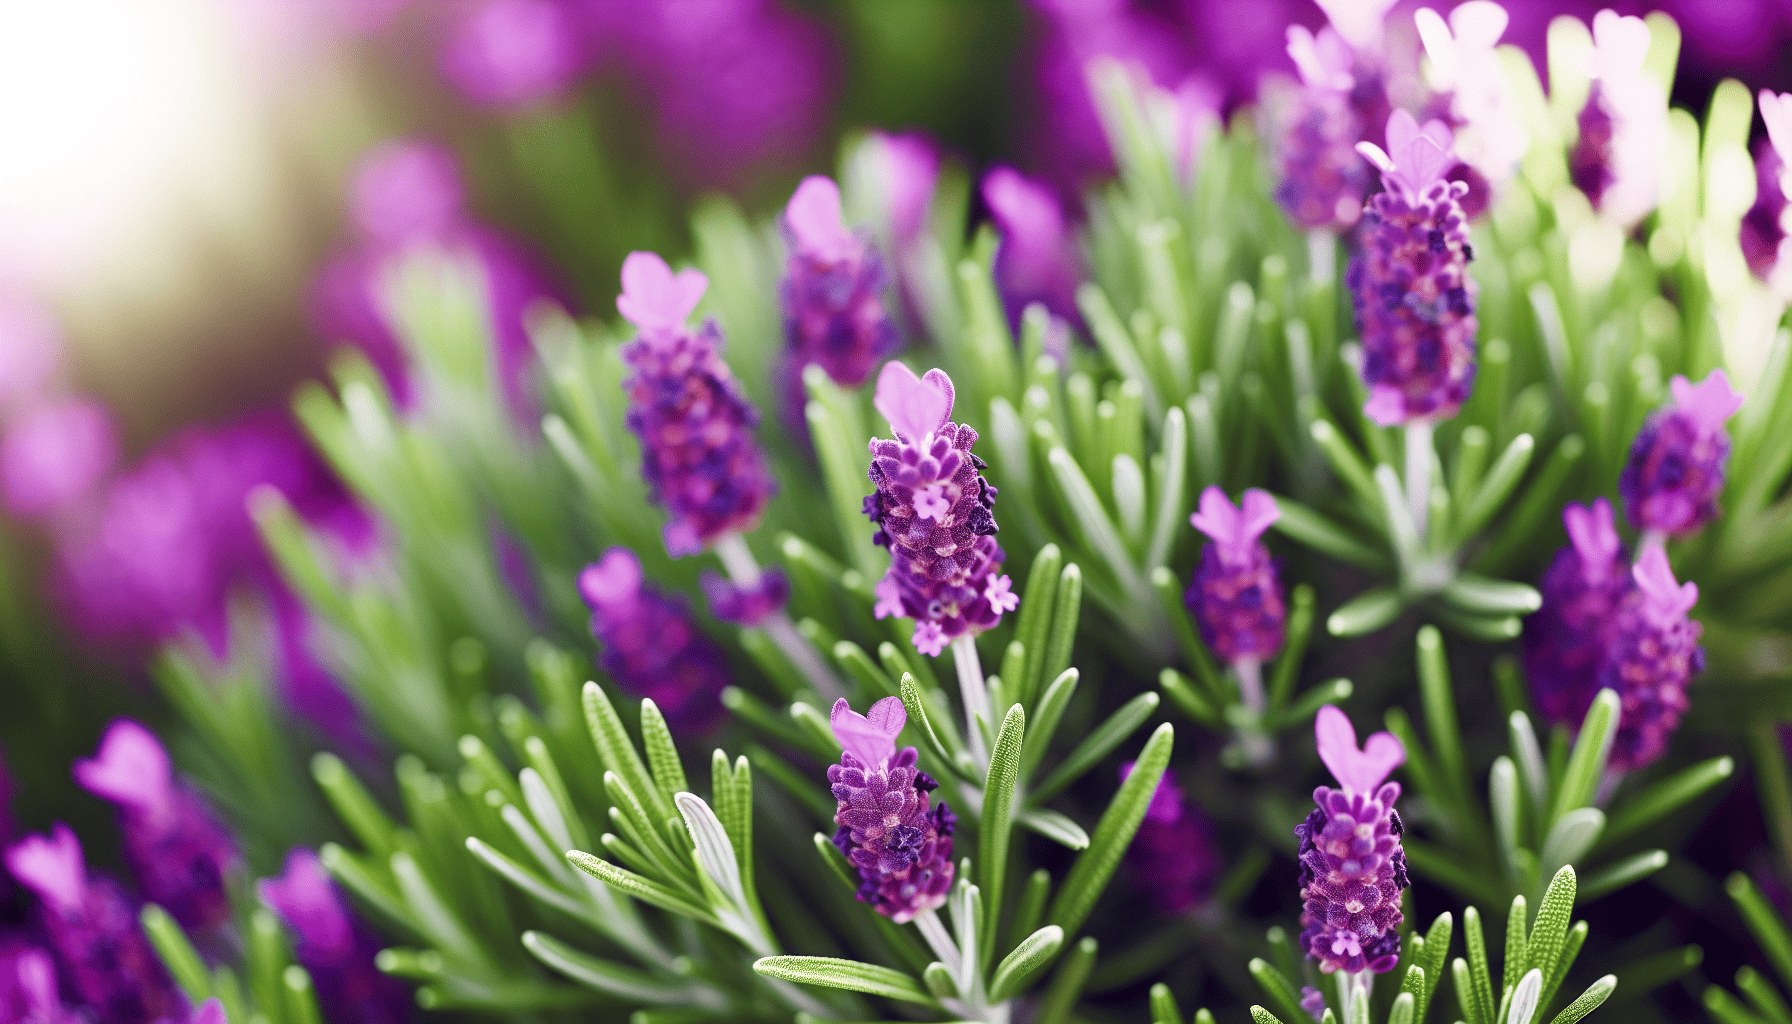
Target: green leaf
(714, 852)
(1332, 691)
(870, 677)
(1095, 866)
(607, 976)
(1615, 876)
(938, 979)
(1092, 521)
(1261, 1016)
(177, 953)
(618, 752)
(527, 880)
(1049, 712)
(434, 917)
(1479, 975)
(1524, 998)
(1276, 987)
(1495, 488)
(1587, 763)
(1100, 741)
(644, 889)
(1035, 617)
(1514, 967)
(1572, 836)
(355, 806)
(1067, 985)
(1764, 923)
(1163, 1005)
(1402, 1010)
(1321, 534)
(1465, 992)
(1663, 798)
(1026, 959)
(1431, 959)
(831, 972)
(1589, 1000)
(1054, 826)
(1440, 708)
(998, 809)
(300, 1000)
(1301, 602)
(1031, 906)
(1067, 604)
(1171, 485)
(1726, 1008)
(1347, 464)
(1183, 694)
(1364, 613)
(1753, 984)
(1481, 595)
(916, 704)
(662, 754)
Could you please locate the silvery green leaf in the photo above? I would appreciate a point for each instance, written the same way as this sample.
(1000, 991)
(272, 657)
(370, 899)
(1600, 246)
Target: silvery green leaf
(1054, 826)
(1485, 596)
(852, 975)
(1171, 483)
(546, 811)
(607, 976)
(1549, 934)
(437, 921)
(1502, 797)
(1571, 837)
(1588, 1001)
(553, 863)
(1402, 1010)
(1276, 987)
(939, 981)
(1529, 758)
(1586, 764)
(1026, 959)
(1129, 497)
(1662, 798)
(526, 880)
(1364, 613)
(1524, 998)
(715, 854)
(1619, 874)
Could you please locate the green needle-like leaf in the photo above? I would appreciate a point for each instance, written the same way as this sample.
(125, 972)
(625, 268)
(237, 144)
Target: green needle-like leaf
(1054, 826)
(1665, 796)
(1364, 613)
(1276, 987)
(998, 811)
(1764, 923)
(1587, 763)
(1061, 995)
(662, 754)
(1100, 741)
(916, 704)
(1034, 952)
(605, 975)
(526, 880)
(1589, 1000)
(1617, 875)
(1035, 616)
(851, 975)
(177, 953)
(1090, 874)
(1163, 1005)
(643, 889)
(1480, 978)
(1495, 488)
(1050, 711)
(618, 752)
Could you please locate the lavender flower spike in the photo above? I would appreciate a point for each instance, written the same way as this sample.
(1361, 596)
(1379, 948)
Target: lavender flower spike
(180, 855)
(832, 292)
(1352, 870)
(1236, 597)
(1624, 126)
(696, 426)
(1766, 231)
(1465, 69)
(1414, 298)
(935, 512)
(1320, 179)
(1565, 641)
(901, 848)
(333, 946)
(651, 647)
(1173, 852)
(1675, 471)
(1655, 653)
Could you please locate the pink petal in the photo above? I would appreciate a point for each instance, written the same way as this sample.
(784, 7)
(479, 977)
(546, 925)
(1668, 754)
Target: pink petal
(211, 1013)
(1592, 531)
(130, 769)
(653, 298)
(914, 407)
(1217, 517)
(1776, 113)
(1479, 23)
(1357, 771)
(614, 580)
(814, 218)
(1710, 402)
(1259, 513)
(51, 867)
(1664, 597)
(868, 741)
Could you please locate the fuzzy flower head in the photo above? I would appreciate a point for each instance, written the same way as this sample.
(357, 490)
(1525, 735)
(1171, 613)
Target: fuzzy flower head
(832, 292)
(698, 453)
(901, 172)
(1465, 69)
(1675, 471)
(1352, 869)
(306, 899)
(1766, 229)
(1414, 297)
(1654, 655)
(1236, 596)
(935, 512)
(1359, 22)
(511, 53)
(650, 646)
(1036, 259)
(1320, 179)
(1173, 852)
(54, 455)
(746, 605)
(901, 847)
(1566, 640)
(52, 867)
(1624, 127)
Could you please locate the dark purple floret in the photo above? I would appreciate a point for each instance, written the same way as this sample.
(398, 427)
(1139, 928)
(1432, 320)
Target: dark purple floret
(1764, 226)
(651, 647)
(1566, 640)
(935, 512)
(832, 293)
(1409, 279)
(1590, 162)
(1236, 597)
(1654, 655)
(1675, 471)
(1173, 854)
(748, 605)
(901, 847)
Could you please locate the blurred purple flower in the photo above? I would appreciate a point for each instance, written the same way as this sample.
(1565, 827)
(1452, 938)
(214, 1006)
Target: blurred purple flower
(1624, 126)
(181, 857)
(1036, 260)
(55, 454)
(28, 989)
(334, 945)
(513, 53)
(1236, 595)
(1675, 472)
(1173, 852)
(650, 646)
(407, 196)
(30, 352)
(746, 606)
(1654, 655)
(1766, 233)
(1566, 640)
(832, 292)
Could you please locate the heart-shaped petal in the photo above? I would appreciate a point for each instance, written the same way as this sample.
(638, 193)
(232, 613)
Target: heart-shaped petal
(1357, 771)
(814, 217)
(655, 299)
(871, 739)
(915, 406)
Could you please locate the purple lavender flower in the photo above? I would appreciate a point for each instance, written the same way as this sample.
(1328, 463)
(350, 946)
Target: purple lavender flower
(1624, 127)
(28, 991)
(1352, 869)
(1414, 297)
(333, 945)
(832, 292)
(746, 606)
(901, 848)
(407, 196)
(180, 855)
(1654, 654)
(54, 455)
(92, 929)
(651, 648)
(1320, 178)
(935, 513)
(1675, 471)
(1173, 852)
(1767, 226)
(513, 53)
(1236, 597)
(695, 424)
(1313, 1002)
(904, 171)
(1036, 260)
(1566, 640)
(1473, 95)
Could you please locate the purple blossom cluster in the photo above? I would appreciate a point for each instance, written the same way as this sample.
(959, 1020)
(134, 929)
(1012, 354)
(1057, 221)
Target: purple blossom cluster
(1409, 279)
(1675, 472)
(1618, 155)
(698, 453)
(1236, 597)
(178, 852)
(1352, 869)
(57, 447)
(747, 605)
(1655, 652)
(1766, 231)
(1320, 178)
(1173, 853)
(832, 293)
(334, 946)
(651, 647)
(1036, 259)
(936, 513)
(899, 844)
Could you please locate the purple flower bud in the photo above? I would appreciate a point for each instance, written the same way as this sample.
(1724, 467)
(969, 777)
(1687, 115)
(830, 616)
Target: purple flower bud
(935, 513)
(1036, 260)
(54, 455)
(900, 846)
(832, 292)
(334, 946)
(1675, 471)
(1313, 1002)
(1236, 597)
(511, 53)
(1173, 851)
(1565, 641)
(1763, 232)
(651, 647)
(747, 606)
(1321, 179)
(695, 424)
(180, 855)
(1414, 297)
(1618, 157)
(93, 931)
(1352, 869)
(1654, 654)
(28, 991)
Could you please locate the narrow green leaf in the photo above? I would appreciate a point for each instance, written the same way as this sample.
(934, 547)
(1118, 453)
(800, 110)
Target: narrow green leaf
(355, 876)
(1401, 1011)
(1261, 1016)
(1663, 798)
(1163, 1005)
(1495, 488)
(1090, 874)
(432, 913)
(1067, 985)
(300, 1003)
(605, 975)
(1549, 935)
(1760, 992)
(527, 880)
(1050, 711)
(1440, 708)
(1170, 486)
(1726, 1008)
(1332, 691)
(618, 751)
(1347, 463)
(1279, 991)
(1169, 598)
(1026, 959)
(1035, 618)
(1571, 837)
(1364, 613)
(1030, 908)
(662, 753)
(901, 939)
(178, 954)
(938, 979)
(1067, 605)
(1432, 959)
(851, 975)
(1321, 534)
(1617, 875)
(644, 889)
(1577, 935)
(1095, 746)
(1182, 693)
(1096, 527)
(1465, 992)
(1587, 763)
(1479, 975)
(1412, 989)
(1589, 1000)
(916, 704)
(1763, 923)
(1054, 826)
(1515, 966)
(355, 806)
(998, 810)
(1301, 602)
(862, 669)
(1481, 595)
